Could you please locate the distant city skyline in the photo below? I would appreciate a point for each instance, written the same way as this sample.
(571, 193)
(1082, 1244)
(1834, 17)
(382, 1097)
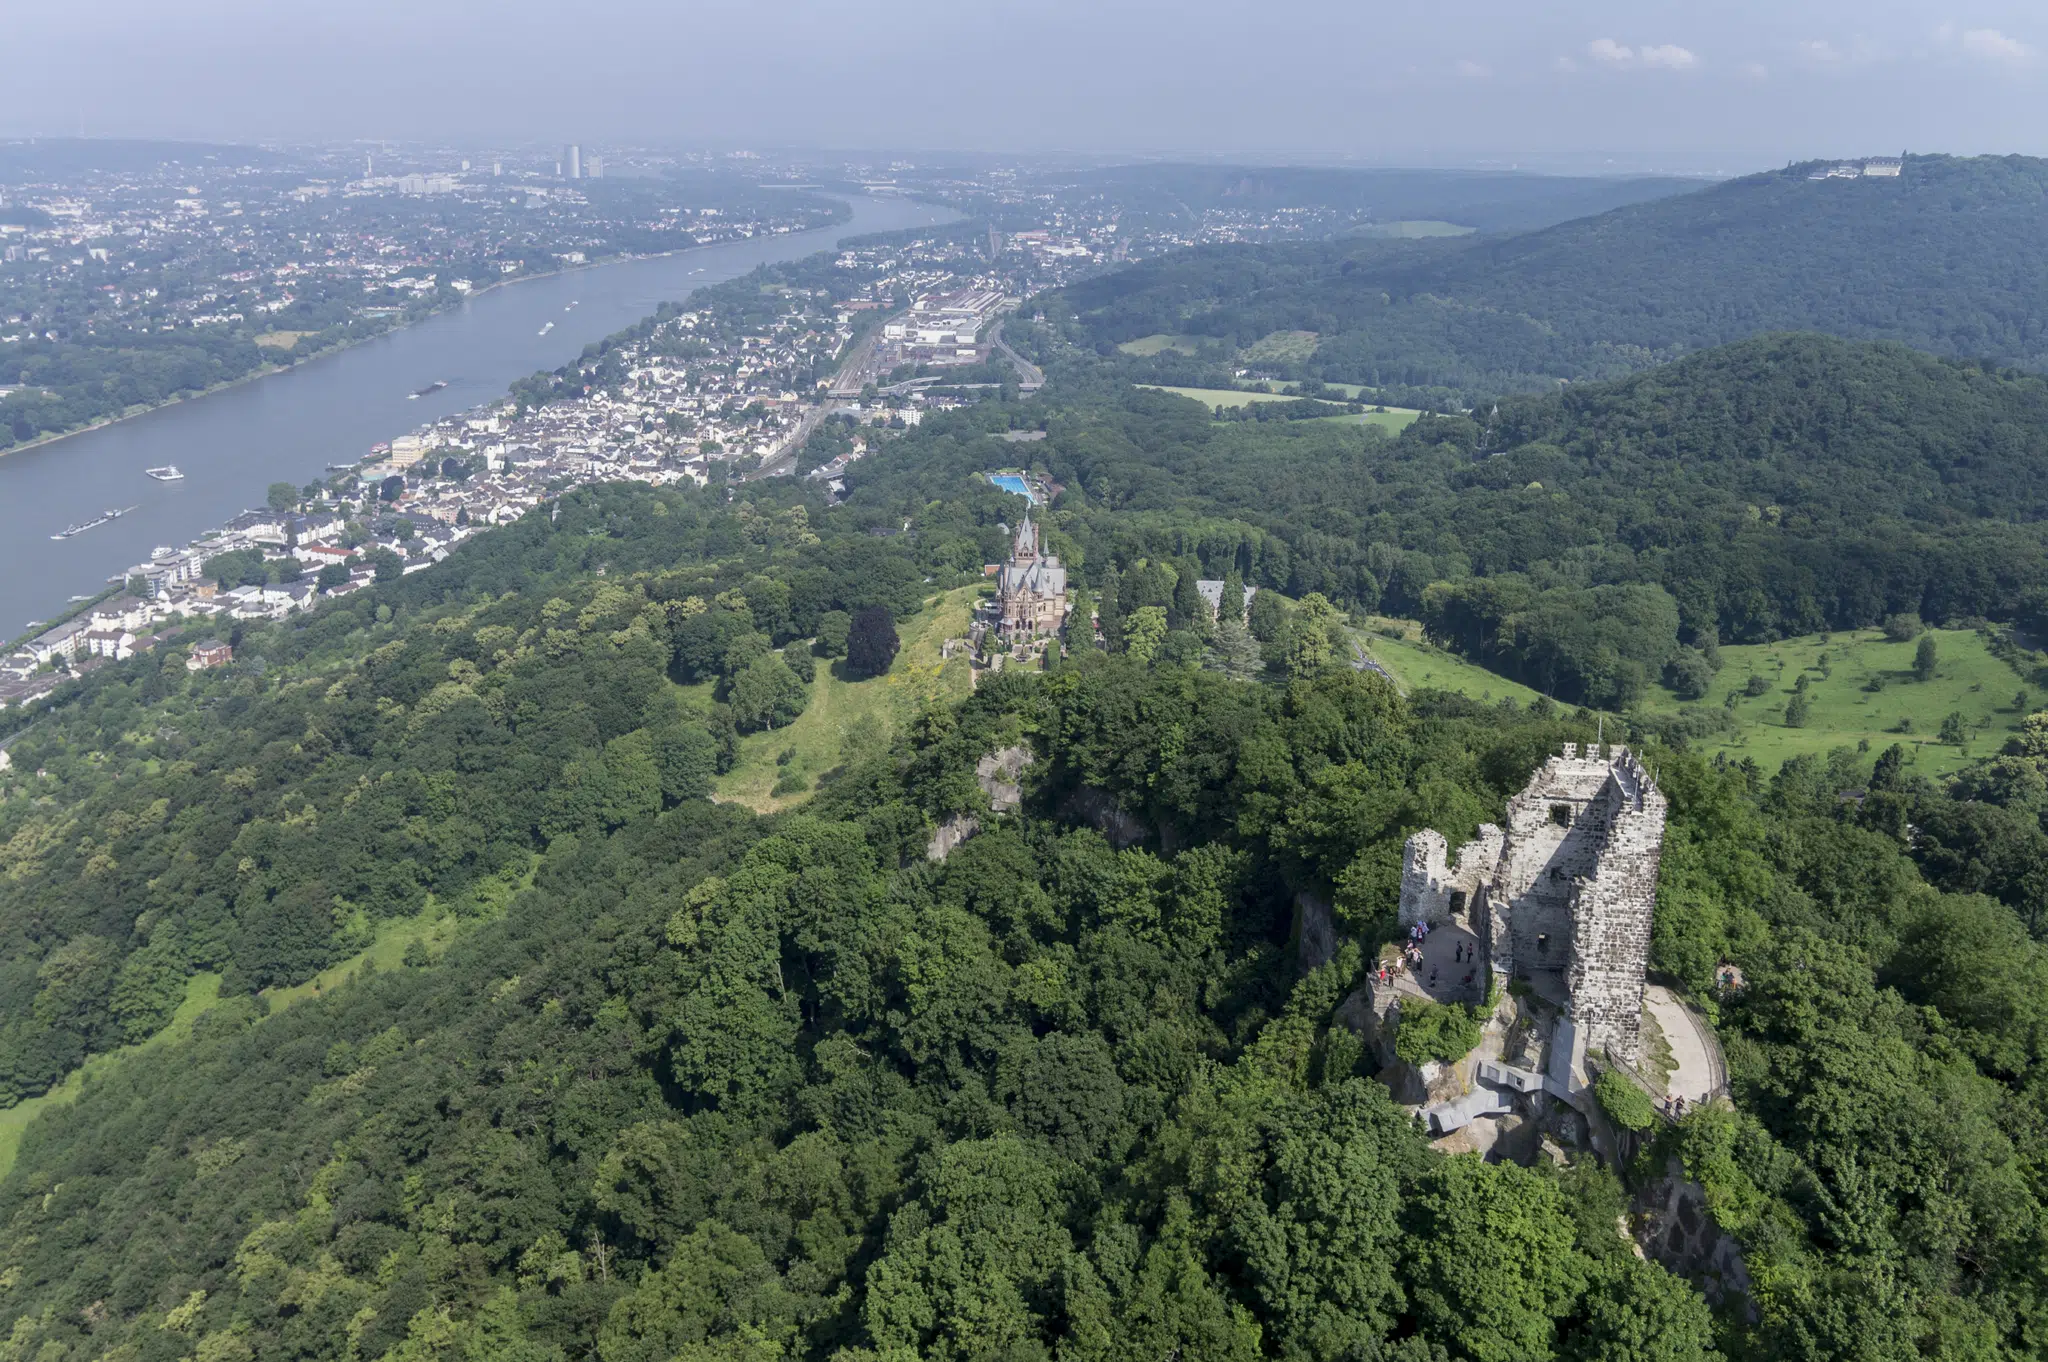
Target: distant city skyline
(1583, 85)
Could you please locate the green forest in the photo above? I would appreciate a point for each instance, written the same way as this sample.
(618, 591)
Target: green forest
(909, 1071)
(698, 1083)
(1585, 543)
(1947, 258)
(1491, 201)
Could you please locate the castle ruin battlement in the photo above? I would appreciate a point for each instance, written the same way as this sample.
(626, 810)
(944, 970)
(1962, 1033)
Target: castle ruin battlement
(1564, 894)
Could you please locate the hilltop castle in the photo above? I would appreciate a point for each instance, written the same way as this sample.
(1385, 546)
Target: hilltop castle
(1031, 590)
(1562, 896)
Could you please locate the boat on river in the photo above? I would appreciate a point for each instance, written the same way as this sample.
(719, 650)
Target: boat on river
(545, 329)
(168, 473)
(433, 387)
(102, 518)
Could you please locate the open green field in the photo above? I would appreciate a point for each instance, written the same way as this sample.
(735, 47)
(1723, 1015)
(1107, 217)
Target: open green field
(1281, 347)
(1414, 229)
(1968, 680)
(1418, 665)
(1220, 397)
(1393, 418)
(859, 711)
(1145, 346)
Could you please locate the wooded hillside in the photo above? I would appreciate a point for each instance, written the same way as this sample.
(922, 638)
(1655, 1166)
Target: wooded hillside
(1949, 258)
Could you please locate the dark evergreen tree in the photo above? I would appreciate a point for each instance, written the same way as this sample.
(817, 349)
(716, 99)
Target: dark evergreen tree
(871, 643)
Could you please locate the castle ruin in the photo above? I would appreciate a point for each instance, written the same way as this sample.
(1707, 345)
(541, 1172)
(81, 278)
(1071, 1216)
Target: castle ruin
(1562, 897)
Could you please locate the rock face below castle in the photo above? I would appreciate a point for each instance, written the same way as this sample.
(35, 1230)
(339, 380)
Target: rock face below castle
(1563, 896)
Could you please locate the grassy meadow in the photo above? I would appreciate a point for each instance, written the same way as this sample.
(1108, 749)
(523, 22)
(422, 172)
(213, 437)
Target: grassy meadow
(1393, 419)
(201, 992)
(1147, 346)
(1417, 665)
(1415, 229)
(1281, 347)
(1219, 397)
(1844, 711)
(845, 714)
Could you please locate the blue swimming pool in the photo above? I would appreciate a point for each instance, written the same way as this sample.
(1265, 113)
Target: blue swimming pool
(1010, 482)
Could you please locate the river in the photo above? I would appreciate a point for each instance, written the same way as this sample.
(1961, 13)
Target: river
(288, 426)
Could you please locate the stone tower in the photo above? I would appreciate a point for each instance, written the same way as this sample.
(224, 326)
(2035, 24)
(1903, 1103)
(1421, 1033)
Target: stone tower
(1564, 895)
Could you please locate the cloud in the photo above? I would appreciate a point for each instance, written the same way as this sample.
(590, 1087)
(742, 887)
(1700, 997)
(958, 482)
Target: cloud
(1567, 64)
(1823, 51)
(1988, 44)
(1473, 70)
(1756, 70)
(1668, 56)
(1671, 56)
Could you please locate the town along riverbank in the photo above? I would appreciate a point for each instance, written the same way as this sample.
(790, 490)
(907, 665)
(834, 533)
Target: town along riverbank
(290, 425)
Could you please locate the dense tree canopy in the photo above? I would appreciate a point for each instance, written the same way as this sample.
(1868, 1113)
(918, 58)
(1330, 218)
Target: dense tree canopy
(1948, 258)
(659, 1077)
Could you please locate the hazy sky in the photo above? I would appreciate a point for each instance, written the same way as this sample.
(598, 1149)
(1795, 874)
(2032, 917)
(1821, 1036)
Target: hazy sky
(1707, 85)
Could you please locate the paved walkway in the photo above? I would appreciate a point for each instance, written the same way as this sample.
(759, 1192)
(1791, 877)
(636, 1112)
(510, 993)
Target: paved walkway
(1693, 1049)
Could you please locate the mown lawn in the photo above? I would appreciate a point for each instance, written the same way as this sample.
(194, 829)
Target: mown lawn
(842, 711)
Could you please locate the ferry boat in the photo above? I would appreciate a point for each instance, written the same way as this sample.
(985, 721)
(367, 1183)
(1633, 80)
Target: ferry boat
(433, 387)
(545, 329)
(168, 473)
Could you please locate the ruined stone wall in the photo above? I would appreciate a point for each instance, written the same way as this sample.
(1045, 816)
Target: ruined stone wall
(1532, 887)
(1568, 887)
(1612, 913)
(1431, 890)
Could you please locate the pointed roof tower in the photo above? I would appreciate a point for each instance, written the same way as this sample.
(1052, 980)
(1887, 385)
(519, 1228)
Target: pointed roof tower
(1026, 547)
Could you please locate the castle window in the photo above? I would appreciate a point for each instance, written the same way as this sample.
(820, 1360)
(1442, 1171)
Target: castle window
(1457, 900)
(1542, 945)
(1561, 814)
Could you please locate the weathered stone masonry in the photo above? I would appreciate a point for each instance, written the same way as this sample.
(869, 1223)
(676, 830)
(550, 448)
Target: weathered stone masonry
(1563, 895)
